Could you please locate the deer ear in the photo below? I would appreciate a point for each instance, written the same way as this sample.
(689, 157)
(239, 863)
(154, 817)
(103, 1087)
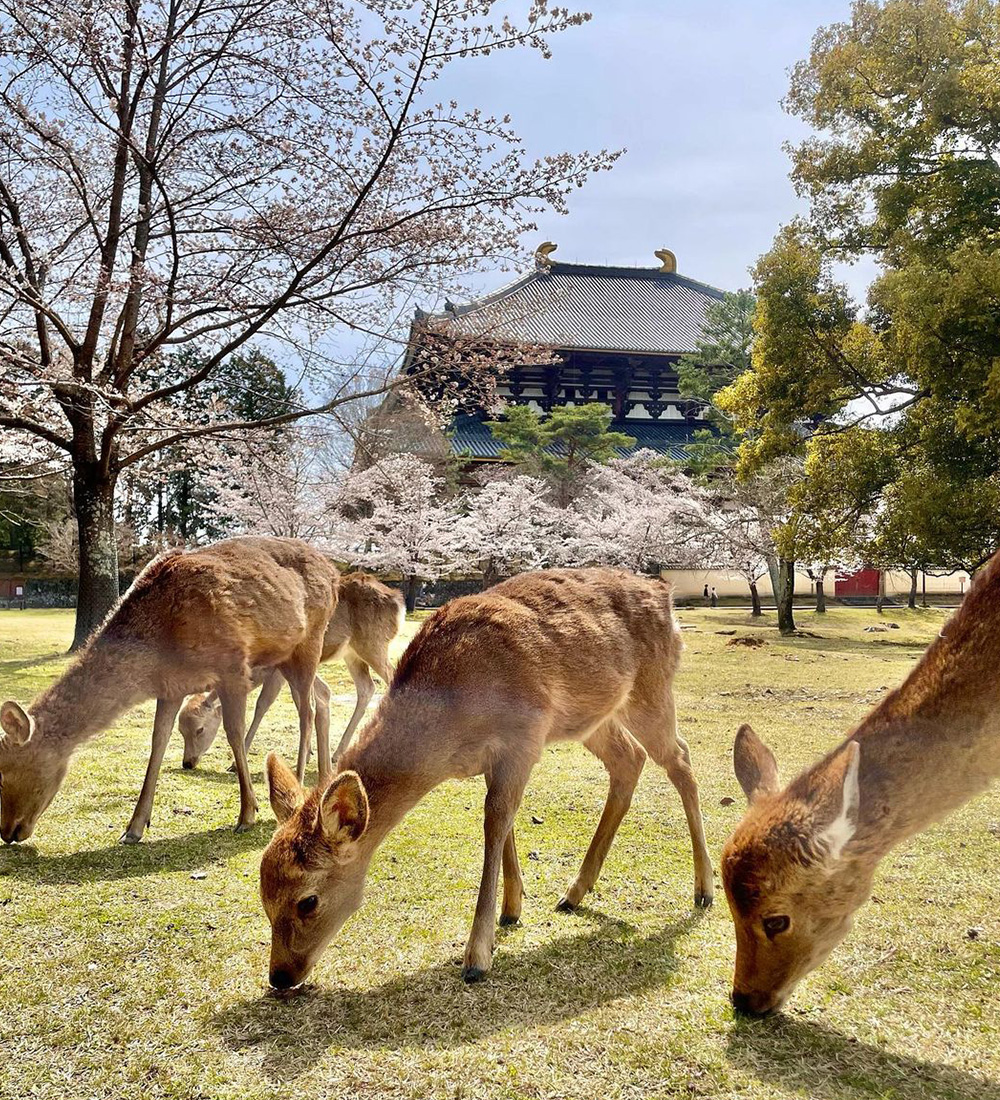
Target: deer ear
(283, 788)
(842, 802)
(754, 764)
(17, 725)
(343, 809)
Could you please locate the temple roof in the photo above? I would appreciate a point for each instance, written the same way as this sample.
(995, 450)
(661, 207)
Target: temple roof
(471, 437)
(630, 309)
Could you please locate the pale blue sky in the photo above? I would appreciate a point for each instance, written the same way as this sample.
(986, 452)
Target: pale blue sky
(693, 90)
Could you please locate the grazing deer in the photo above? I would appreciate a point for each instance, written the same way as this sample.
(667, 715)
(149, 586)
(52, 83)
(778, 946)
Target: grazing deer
(191, 621)
(369, 616)
(488, 681)
(803, 859)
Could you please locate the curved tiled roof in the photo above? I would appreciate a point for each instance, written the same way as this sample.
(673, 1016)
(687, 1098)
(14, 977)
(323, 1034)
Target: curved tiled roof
(604, 308)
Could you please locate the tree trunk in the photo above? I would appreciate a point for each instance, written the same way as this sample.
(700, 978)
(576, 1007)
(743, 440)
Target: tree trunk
(880, 598)
(93, 499)
(820, 597)
(911, 603)
(754, 600)
(413, 586)
(784, 595)
(772, 572)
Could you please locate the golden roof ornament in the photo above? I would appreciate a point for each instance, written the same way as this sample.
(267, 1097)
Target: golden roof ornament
(542, 254)
(667, 259)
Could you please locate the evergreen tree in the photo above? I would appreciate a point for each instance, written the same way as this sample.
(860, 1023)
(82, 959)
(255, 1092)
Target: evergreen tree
(559, 447)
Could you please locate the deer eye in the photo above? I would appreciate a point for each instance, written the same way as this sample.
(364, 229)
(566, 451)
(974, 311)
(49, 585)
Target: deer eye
(199, 731)
(773, 926)
(308, 905)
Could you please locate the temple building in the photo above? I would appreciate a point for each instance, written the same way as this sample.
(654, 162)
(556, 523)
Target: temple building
(615, 335)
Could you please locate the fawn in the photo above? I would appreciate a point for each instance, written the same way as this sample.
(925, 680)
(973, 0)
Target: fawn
(195, 620)
(803, 859)
(368, 617)
(487, 682)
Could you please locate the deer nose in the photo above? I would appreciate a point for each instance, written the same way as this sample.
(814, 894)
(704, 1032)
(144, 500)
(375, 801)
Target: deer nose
(281, 979)
(11, 835)
(744, 1004)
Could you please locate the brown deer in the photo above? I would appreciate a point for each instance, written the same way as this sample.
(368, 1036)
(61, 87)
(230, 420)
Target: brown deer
(803, 859)
(488, 681)
(191, 621)
(368, 618)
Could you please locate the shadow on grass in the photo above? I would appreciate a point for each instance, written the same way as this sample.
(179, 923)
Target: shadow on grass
(811, 1059)
(32, 662)
(220, 773)
(214, 773)
(24, 863)
(433, 1008)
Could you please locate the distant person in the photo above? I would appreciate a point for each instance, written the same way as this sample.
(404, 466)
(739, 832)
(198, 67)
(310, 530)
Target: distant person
(714, 597)
(705, 593)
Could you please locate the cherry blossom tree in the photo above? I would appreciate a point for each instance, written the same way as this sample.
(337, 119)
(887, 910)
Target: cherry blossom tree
(637, 512)
(269, 171)
(737, 541)
(509, 526)
(396, 517)
(275, 486)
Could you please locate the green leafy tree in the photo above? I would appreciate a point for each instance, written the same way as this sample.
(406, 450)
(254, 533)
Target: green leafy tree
(561, 446)
(903, 169)
(722, 354)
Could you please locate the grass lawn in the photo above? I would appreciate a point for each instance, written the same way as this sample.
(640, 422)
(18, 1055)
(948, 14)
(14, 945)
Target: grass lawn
(140, 971)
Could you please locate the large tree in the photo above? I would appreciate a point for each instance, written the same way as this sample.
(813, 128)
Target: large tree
(904, 168)
(261, 171)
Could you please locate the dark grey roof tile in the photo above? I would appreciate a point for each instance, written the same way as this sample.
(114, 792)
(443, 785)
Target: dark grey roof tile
(583, 306)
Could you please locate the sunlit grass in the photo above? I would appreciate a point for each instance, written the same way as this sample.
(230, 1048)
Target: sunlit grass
(125, 976)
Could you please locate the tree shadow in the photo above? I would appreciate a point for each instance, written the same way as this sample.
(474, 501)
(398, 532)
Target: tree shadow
(810, 1059)
(24, 863)
(31, 662)
(433, 1008)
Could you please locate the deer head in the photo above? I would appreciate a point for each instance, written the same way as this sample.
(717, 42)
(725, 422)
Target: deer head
(30, 774)
(199, 722)
(312, 874)
(790, 878)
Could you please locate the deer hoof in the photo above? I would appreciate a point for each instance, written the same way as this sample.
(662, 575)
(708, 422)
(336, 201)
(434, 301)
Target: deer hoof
(471, 974)
(703, 901)
(508, 921)
(243, 826)
(130, 838)
(564, 905)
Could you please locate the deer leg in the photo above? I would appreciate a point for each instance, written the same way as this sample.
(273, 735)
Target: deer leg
(234, 721)
(269, 691)
(503, 795)
(513, 884)
(163, 724)
(381, 665)
(364, 686)
(623, 758)
(321, 700)
(300, 674)
(655, 728)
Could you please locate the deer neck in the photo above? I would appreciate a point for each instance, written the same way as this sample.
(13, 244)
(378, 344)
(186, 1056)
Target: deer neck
(932, 744)
(395, 772)
(103, 682)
